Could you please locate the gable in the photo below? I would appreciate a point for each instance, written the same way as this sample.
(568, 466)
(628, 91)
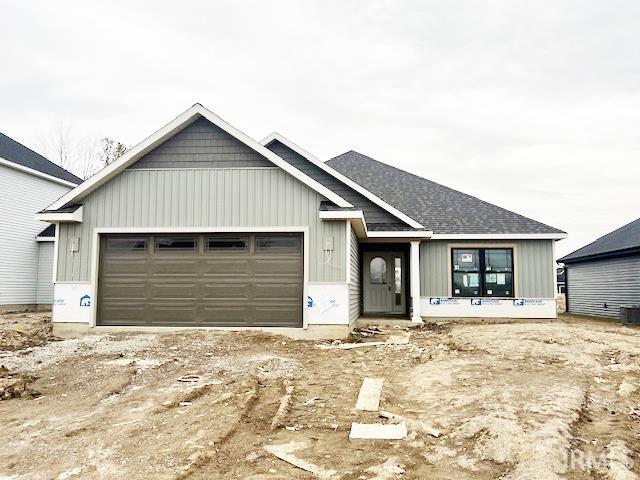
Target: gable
(202, 145)
(376, 217)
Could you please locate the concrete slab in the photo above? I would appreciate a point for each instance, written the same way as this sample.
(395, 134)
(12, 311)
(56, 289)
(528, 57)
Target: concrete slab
(369, 396)
(399, 339)
(376, 431)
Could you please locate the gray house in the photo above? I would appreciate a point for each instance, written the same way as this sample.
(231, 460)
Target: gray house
(602, 276)
(28, 182)
(201, 226)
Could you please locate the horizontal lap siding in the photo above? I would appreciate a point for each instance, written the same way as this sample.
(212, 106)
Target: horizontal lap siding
(44, 288)
(354, 279)
(22, 196)
(535, 267)
(221, 197)
(614, 282)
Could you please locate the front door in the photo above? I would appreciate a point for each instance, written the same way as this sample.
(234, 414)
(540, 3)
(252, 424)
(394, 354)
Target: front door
(383, 288)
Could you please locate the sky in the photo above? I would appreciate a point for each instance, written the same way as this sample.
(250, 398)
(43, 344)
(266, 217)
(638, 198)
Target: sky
(533, 106)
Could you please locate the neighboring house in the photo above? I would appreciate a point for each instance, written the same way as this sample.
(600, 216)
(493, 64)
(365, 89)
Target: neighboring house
(199, 225)
(605, 274)
(561, 280)
(28, 182)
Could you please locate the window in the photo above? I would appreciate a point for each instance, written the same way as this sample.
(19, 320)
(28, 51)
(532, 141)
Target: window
(126, 244)
(176, 243)
(377, 271)
(398, 280)
(482, 272)
(278, 243)
(227, 243)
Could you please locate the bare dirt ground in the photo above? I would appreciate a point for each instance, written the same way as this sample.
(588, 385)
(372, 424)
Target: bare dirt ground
(519, 400)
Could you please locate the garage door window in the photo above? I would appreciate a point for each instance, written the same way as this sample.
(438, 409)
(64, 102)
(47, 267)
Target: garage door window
(227, 243)
(278, 243)
(176, 243)
(126, 245)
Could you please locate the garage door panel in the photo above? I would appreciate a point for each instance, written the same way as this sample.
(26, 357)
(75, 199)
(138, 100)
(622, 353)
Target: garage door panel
(217, 283)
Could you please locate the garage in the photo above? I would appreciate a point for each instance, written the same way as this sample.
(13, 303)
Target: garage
(201, 280)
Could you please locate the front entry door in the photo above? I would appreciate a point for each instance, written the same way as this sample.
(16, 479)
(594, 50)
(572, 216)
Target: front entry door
(383, 287)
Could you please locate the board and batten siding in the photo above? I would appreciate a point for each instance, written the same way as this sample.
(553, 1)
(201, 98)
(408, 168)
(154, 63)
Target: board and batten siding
(354, 279)
(534, 267)
(44, 285)
(219, 197)
(614, 282)
(23, 195)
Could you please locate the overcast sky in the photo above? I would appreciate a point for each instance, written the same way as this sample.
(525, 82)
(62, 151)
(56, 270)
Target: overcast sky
(534, 106)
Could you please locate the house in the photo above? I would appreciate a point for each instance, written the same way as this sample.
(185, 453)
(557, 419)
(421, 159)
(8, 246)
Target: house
(200, 225)
(28, 182)
(605, 274)
(561, 278)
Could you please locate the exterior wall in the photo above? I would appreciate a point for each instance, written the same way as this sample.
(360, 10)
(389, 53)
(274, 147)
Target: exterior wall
(202, 145)
(220, 197)
(44, 285)
(22, 196)
(354, 278)
(534, 267)
(613, 282)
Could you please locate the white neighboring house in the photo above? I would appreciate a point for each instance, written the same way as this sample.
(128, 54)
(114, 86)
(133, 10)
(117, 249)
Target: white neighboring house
(28, 183)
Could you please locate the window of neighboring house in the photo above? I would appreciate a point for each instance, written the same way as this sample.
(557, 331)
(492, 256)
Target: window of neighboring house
(482, 272)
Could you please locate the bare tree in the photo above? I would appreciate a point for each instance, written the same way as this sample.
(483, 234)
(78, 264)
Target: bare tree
(110, 150)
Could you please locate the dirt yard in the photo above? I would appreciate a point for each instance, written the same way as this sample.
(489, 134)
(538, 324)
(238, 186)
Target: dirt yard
(520, 400)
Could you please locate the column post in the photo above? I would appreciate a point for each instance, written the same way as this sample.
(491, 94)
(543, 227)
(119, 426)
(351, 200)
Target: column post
(414, 265)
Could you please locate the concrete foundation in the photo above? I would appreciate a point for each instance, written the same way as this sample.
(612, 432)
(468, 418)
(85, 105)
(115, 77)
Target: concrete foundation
(313, 332)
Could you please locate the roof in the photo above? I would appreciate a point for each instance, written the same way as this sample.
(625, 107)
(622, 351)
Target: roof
(624, 239)
(48, 232)
(17, 153)
(177, 124)
(442, 209)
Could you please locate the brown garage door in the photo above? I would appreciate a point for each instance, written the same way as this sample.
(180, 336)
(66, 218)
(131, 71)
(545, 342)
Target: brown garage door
(201, 280)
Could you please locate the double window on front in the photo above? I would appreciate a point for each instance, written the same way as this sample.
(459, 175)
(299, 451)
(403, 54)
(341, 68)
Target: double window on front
(482, 272)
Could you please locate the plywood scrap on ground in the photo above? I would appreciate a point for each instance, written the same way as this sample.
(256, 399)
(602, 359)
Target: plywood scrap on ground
(376, 431)
(369, 396)
(349, 346)
(285, 452)
(416, 425)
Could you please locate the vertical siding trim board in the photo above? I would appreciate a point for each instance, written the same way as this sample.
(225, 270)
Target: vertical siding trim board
(95, 257)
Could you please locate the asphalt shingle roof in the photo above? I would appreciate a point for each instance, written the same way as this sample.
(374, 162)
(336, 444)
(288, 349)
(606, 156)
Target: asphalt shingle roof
(624, 238)
(19, 154)
(50, 231)
(439, 208)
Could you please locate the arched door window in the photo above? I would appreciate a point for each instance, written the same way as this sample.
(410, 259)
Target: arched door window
(377, 271)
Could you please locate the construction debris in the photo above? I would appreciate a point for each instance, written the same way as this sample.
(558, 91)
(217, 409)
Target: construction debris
(285, 452)
(416, 425)
(369, 396)
(190, 378)
(376, 431)
(16, 385)
(349, 346)
(399, 339)
(283, 409)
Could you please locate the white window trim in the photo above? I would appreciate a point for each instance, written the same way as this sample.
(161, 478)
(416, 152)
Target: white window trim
(95, 254)
(181, 121)
(45, 239)
(36, 173)
(347, 181)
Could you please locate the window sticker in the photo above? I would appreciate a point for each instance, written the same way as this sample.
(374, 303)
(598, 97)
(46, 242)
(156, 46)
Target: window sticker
(474, 280)
(466, 258)
(457, 291)
(489, 292)
(465, 280)
(501, 279)
(456, 267)
(491, 278)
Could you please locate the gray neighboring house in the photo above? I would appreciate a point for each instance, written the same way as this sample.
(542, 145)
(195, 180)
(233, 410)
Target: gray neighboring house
(201, 226)
(28, 182)
(604, 275)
